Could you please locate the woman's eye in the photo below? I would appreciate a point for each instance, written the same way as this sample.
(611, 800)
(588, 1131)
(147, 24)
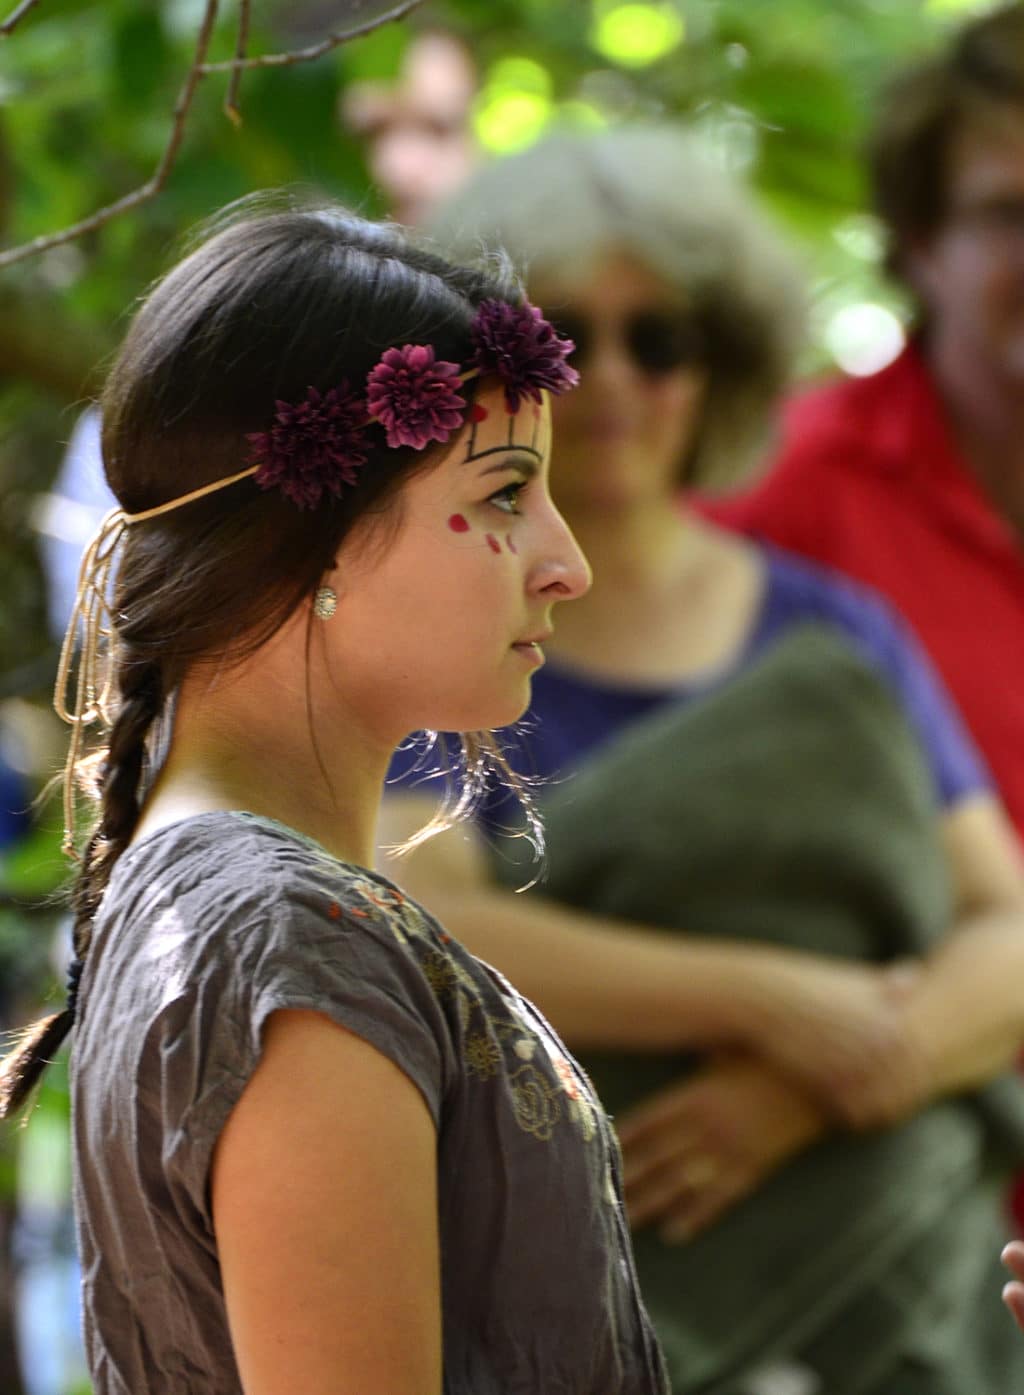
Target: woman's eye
(507, 499)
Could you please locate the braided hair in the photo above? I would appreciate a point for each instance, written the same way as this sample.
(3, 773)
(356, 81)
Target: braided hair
(272, 301)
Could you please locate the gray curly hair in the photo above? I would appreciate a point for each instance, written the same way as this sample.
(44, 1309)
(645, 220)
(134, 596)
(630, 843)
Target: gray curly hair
(646, 190)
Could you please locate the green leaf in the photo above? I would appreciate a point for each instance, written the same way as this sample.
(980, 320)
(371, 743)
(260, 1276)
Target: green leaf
(142, 56)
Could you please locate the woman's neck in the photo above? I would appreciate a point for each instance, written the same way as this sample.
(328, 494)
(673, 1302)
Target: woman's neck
(255, 746)
(673, 598)
(636, 547)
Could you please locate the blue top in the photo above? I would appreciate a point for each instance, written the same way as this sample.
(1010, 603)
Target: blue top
(573, 713)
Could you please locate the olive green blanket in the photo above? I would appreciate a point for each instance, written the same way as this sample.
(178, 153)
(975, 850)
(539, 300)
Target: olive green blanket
(793, 806)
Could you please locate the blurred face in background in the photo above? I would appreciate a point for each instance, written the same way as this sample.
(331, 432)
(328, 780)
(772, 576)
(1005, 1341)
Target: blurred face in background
(970, 273)
(419, 140)
(622, 436)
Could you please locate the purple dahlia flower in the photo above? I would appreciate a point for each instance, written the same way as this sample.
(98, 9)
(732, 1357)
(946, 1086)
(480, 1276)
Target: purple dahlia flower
(314, 446)
(415, 397)
(516, 344)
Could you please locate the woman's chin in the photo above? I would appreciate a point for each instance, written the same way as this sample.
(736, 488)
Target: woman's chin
(487, 715)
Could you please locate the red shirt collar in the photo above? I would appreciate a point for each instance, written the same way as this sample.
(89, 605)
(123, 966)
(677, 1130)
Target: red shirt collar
(895, 422)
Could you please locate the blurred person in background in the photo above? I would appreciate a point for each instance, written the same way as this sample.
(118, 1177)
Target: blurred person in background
(754, 780)
(912, 479)
(418, 133)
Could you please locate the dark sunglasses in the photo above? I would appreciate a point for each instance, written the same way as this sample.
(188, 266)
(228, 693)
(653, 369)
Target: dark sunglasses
(656, 342)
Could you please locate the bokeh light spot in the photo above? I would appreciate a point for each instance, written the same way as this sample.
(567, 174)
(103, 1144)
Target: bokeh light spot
(514, 106)
(864, 337)
(636, 35)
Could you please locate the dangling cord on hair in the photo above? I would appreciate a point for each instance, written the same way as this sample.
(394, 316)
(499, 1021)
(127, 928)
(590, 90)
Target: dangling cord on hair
(91, 610)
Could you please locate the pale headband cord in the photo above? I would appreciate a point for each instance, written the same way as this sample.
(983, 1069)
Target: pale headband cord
(91, 611)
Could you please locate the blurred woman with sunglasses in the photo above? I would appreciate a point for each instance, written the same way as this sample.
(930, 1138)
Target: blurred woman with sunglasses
(780, 912)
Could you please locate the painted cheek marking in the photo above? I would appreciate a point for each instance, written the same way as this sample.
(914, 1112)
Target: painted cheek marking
(492, 542)
(458, 524)
(478, 413)
(510, 544)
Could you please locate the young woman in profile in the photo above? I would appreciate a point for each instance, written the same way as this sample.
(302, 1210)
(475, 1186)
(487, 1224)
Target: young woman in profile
(318, 1146)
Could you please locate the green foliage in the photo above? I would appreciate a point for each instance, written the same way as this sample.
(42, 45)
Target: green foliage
(779, 89)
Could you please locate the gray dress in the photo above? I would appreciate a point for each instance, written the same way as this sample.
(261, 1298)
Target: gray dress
(207, 928)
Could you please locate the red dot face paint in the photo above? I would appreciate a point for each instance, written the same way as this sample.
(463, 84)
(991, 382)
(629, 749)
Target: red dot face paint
(458, 524)
(493, 543)
(478, 413)
(510, 544)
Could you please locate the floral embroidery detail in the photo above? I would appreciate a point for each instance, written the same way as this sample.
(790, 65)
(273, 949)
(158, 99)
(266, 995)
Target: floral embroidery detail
(564, 1072)
(440, 972)
(581, 1111)
(537, 1089)
(536, 1102)
(482, 1056)
(464, 1005)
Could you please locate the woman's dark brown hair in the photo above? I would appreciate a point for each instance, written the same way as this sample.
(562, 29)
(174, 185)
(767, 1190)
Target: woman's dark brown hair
(269, 305)
(981, 74)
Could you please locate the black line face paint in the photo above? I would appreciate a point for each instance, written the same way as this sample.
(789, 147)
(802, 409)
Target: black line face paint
(478, 413)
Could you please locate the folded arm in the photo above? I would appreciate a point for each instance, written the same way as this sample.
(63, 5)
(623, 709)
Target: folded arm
(610, 984)
(966, 1008)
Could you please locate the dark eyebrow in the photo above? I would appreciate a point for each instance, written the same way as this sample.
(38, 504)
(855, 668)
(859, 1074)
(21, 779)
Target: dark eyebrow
(527, 461)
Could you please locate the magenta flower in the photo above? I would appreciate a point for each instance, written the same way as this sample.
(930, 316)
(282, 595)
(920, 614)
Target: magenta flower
(415, 397)
(314, 445)
(516, 344)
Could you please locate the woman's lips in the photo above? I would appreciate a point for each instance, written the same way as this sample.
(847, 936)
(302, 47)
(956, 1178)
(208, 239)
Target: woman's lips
(531, 651)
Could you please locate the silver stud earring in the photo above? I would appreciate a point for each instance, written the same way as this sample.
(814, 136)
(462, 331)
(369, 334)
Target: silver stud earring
(325, 602)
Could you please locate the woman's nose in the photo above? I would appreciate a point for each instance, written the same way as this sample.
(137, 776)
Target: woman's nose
(609, 362)
(564, 574)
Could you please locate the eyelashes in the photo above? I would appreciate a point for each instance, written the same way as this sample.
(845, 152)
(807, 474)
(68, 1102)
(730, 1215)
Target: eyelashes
(507, 498)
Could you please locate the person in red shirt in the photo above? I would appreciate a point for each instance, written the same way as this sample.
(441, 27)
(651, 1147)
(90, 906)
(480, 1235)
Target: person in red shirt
(913, 479)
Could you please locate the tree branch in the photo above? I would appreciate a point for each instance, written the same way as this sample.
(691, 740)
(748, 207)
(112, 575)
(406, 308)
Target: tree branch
(199, 69)
(159, 177)
(306, 55)
(231, 110)
(16, 16)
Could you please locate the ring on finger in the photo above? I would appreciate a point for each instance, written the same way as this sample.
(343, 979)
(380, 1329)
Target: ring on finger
(699, 1171)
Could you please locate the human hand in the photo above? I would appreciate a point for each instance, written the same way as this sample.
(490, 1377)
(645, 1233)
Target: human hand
(1013, 1292)
(841, 1030)
(695, 1149)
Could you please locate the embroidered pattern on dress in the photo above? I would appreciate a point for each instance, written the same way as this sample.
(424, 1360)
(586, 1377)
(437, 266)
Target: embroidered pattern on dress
(482, 1056)
(536, 1101)
(539, 1099)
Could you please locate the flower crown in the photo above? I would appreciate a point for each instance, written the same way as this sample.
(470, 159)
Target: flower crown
(318, 445)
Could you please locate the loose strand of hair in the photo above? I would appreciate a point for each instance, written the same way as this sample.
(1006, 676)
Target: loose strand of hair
(23, 1066)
